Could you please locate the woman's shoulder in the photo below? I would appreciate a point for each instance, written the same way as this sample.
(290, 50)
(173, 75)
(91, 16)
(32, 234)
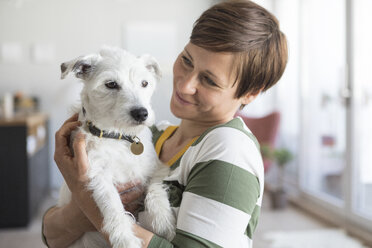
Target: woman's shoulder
(232, 134)
(231, 143)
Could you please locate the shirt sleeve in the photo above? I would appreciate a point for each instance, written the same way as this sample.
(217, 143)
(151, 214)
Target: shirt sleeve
(218, 208)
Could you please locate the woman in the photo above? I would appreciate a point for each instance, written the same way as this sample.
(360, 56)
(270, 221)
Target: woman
(236, 51)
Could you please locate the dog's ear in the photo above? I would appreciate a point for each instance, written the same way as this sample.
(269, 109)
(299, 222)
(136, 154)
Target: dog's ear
(83, 66)
(152, 65)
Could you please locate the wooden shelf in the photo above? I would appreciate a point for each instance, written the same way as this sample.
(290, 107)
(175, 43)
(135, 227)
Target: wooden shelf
(30, 120)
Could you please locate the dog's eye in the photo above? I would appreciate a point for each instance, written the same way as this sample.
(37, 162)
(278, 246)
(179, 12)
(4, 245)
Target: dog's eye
(112, 85)
(144, 83)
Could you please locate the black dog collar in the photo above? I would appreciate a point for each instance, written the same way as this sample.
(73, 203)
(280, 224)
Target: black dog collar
(112, 135)
(136, 147)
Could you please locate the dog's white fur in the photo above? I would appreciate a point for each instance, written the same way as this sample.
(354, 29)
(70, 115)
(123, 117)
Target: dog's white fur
(111, 161)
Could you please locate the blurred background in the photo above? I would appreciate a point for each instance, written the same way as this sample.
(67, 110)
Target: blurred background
(314, 125)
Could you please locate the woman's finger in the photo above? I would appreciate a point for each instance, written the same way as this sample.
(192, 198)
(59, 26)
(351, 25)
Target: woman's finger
(62, 138)
(81, 157)
(74, 117)
(132, 195)
(122, 188)
(67, 128)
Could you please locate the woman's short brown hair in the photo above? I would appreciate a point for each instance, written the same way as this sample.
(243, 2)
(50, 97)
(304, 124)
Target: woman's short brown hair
(252, 33)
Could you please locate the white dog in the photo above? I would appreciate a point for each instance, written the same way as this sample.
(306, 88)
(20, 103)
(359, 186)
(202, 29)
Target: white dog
(115, 113)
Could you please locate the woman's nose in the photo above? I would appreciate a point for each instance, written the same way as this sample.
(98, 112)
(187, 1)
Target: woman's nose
(188, 84)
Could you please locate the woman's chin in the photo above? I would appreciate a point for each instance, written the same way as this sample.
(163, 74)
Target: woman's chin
(179, 111)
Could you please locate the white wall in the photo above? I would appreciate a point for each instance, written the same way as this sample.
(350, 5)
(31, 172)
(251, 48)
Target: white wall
(71, 28)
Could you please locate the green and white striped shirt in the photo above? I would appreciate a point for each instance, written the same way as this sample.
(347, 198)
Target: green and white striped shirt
(215, 188)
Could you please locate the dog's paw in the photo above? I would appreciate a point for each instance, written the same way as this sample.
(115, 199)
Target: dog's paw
(163, 222)
(165, 226)
(162, 218)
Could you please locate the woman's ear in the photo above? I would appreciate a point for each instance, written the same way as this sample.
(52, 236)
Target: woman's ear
(249, 97)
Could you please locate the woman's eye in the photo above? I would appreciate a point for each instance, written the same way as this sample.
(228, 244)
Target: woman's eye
(144, 83)
(186, 61)
(112, 85)
(210, 81)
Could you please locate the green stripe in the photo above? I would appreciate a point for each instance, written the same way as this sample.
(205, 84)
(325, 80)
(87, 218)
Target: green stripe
(234, 123)
(175, 191)
(159, 242)
(156, 133)
(182, 239)
(187, 240)
(225, 183)
(253, 221)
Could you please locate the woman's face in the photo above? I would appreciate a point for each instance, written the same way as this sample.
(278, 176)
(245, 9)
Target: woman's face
(203, 86)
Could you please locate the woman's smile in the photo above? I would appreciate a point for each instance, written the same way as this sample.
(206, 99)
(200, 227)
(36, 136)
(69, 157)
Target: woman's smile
(181, 100)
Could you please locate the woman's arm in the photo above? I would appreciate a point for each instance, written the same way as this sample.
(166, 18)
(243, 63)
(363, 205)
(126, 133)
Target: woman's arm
(63, 225)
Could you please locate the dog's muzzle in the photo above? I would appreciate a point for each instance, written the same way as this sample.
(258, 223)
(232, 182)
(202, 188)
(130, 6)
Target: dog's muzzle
(139, 114)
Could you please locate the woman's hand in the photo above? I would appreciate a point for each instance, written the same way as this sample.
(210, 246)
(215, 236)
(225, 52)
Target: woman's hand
(73, 167)
(131, 195)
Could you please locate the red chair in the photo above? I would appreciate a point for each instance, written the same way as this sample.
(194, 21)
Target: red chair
(265, 129)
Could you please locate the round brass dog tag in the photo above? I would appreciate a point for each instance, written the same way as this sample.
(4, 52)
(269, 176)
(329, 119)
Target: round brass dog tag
(136, 148)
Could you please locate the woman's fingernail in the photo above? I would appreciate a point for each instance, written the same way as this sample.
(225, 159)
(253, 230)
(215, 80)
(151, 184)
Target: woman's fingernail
(126, 191)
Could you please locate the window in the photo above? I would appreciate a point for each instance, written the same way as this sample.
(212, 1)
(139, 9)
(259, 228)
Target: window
(362, 107)
(323, 56)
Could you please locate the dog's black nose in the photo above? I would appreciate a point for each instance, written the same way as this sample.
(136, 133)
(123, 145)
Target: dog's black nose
(139, 114)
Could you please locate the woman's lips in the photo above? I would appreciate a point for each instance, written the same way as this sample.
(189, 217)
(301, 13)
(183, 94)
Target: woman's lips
(183, 101)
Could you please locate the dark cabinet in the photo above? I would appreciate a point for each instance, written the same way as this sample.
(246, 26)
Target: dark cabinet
(24, 168)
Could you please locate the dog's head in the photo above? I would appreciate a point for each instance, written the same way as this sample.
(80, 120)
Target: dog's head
(117, 88)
